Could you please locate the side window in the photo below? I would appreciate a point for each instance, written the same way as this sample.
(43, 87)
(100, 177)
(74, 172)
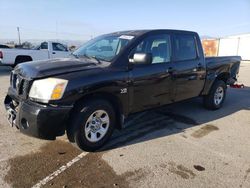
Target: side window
(158, 46)
(44, 46)
(185, 47)
(59, 47)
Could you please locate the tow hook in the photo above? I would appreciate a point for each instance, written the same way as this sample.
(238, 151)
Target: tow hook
(238, 86)
(11, 117)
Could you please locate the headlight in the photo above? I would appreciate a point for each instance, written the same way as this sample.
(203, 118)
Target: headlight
(48, 89)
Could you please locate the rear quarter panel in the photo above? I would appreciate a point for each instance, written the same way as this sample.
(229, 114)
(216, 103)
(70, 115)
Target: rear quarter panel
(9, 55)
(217, 66)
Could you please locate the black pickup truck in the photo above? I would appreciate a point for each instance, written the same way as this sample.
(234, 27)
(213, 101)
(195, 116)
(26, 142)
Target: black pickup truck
(91, 93)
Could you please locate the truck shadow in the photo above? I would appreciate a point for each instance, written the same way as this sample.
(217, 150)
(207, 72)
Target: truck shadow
(4, 70)
(176, 118)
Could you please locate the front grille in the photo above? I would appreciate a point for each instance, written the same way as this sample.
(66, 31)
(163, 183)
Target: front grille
(20, 84)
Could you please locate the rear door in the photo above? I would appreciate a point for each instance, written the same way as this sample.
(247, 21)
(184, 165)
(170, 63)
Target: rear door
(189, 68)
(152, 82)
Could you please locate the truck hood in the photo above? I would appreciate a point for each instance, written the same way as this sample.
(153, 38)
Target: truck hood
(52, 67)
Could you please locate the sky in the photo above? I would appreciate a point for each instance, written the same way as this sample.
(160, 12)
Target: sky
(84, 19)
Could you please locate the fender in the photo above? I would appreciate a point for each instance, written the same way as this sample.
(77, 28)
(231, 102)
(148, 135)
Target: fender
(211, 77)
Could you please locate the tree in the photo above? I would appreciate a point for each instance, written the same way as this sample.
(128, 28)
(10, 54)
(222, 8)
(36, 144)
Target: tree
(27, 45)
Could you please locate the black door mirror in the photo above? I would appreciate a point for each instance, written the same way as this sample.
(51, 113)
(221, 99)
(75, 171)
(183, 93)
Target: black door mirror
(142, 58)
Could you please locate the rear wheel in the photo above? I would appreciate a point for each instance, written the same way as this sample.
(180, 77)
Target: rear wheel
(215, 99)
(21, 59)
(92, 125)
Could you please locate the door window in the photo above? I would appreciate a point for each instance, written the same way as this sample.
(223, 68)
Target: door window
(158, 46)
(44, 46)
(185, 47)
(59, 47)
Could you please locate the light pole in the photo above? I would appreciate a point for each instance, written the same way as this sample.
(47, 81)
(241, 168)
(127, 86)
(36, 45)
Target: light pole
(19, 39)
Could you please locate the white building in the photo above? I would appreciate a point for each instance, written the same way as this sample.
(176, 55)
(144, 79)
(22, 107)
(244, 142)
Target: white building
(235, 45)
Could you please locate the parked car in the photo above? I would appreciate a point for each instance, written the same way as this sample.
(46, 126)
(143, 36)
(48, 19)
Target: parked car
(110, 77)
(4, 46)
(46, 50)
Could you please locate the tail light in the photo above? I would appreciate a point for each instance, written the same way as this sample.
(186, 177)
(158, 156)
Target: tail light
(1, 55)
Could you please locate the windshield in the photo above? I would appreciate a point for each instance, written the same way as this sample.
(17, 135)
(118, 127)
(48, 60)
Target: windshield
(103, 48)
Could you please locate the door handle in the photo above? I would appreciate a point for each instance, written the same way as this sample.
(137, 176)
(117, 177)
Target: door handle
(199, 66)
(193, 77)
(170, 70)
(53, 52)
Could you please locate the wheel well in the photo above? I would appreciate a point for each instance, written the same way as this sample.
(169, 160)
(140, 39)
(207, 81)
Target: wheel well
(113, 100)
(223, 76)
(22, 58)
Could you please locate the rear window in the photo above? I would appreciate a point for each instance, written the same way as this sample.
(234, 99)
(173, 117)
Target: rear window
(185, 47)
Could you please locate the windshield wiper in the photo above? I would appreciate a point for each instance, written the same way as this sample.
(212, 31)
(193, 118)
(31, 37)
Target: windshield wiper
(75, 55)
(83, 55)
(97, 59)
(91, 57)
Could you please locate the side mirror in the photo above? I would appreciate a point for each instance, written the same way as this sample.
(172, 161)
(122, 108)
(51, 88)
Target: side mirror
(142, 58)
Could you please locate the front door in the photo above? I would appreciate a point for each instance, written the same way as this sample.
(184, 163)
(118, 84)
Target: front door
(151, 83)
(59, 50)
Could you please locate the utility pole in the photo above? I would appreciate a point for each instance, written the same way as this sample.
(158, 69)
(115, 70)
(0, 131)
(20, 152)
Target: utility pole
(19, 39)
(56, 31)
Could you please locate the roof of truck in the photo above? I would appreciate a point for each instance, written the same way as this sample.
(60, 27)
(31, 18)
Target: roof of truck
(141, 32)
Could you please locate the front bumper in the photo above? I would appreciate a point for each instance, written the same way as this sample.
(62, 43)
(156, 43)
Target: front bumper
(38, 120)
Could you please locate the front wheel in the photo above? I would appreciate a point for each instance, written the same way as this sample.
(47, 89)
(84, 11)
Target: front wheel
(217, 94)
(92, 125)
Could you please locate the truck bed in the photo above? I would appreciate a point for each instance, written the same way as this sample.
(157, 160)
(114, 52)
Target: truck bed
(220, 64)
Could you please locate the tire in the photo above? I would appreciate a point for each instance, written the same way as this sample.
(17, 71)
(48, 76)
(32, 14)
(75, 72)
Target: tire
(216, 97)
(92, 124)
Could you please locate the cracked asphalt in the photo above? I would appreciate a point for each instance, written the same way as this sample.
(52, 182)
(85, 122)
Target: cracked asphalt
(179, 145)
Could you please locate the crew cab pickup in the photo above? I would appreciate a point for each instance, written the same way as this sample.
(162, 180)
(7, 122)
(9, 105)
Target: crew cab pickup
(110, 77)
(46, 50)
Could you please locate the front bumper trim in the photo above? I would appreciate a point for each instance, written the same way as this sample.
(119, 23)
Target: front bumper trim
(38, 120)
